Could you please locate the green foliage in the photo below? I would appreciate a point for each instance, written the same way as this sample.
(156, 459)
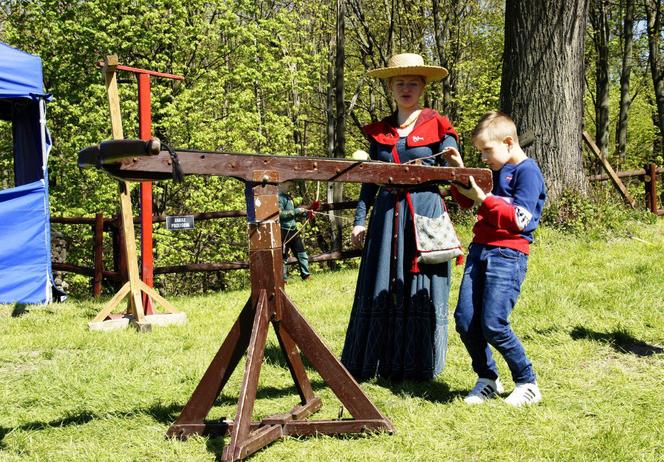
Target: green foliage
(641, 132)
(6, 156)
(594, 217)
(256, 80)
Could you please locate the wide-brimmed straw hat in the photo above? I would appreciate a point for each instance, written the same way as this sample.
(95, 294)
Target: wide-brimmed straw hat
(409, 64)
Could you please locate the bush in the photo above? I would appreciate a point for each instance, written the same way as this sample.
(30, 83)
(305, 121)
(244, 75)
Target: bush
(594, 217)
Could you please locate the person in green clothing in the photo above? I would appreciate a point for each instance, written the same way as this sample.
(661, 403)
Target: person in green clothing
(290, 236)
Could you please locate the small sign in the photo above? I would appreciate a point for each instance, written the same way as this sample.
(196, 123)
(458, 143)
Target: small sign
(178, 223)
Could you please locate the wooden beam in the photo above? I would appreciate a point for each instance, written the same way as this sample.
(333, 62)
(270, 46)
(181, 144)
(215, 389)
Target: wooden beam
(138, 167)
(609, 170)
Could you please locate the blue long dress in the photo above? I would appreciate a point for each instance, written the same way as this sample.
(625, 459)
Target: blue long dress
(398, 323)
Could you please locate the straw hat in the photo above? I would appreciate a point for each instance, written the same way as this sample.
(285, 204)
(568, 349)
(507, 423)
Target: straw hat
(409, 64)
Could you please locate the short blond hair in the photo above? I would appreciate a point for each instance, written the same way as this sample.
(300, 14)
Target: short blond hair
(495, 126)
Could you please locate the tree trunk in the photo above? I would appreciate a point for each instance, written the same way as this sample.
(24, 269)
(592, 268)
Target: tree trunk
(447, 35)
(625, 74)
(335, 190)
(600, 23)
(542, 85)
(654, 15)
(442, 33)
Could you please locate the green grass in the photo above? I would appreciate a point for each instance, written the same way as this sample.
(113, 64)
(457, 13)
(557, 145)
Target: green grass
(591, 318)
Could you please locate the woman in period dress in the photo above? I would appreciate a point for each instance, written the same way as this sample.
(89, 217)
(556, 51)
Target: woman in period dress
(398, 324)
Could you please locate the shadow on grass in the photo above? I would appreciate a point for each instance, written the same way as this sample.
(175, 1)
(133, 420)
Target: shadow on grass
(433, 391)
(80, 418)
(165, 414)
(436, 392)
(275, 357)
(619, 340)
(265, 392)
(19, 310)
(216, 447)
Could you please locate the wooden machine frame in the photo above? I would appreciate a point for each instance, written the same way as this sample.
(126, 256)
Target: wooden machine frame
(268, 303)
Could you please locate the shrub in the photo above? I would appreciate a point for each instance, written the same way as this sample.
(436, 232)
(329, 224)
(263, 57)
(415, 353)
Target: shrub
(594, 216)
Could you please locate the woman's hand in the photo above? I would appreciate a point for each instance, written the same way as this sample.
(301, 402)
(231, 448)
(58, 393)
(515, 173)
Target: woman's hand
(453, 157)
(357, 235)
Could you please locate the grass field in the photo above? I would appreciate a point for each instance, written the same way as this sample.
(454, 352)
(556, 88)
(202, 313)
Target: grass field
(591, 318)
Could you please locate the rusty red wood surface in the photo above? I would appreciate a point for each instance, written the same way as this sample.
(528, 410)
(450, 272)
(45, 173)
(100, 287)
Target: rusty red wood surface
(138, 165)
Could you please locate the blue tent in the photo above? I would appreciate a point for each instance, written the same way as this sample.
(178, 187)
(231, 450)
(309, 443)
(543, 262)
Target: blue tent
(25, 233)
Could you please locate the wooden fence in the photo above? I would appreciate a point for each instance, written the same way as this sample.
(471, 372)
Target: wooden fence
(100, 225)
(649, 175)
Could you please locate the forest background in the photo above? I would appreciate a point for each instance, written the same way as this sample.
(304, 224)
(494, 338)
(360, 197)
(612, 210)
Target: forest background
(289, 78)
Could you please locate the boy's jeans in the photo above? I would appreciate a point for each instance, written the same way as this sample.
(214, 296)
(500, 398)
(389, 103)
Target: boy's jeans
(489, 290)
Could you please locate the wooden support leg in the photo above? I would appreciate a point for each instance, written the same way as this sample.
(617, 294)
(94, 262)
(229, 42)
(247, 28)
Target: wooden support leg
(112, 303)
(331, 370)
(295, 364)
(294, 335)
(152, 293)
(242, 422)
(191, 420)
(134, 287)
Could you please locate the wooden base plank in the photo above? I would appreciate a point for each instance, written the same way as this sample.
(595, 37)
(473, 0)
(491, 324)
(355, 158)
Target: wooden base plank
(112, 303)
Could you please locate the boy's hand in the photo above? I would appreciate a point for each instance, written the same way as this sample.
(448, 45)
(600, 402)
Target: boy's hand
(452, 157)
(473, 192)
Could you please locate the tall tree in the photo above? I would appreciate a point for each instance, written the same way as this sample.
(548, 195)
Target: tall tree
(335, 190)
(542, 84)
(446, 32)
(654, 15)
(599, 19)
(627, 39)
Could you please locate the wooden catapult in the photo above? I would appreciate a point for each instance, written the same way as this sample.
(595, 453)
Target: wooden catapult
(141, 160)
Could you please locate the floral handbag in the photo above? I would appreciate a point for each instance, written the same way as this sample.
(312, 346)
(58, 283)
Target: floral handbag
(435, 238)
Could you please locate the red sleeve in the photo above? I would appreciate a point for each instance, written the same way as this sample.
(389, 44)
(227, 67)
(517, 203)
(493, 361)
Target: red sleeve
(499, 213)
(463, 201)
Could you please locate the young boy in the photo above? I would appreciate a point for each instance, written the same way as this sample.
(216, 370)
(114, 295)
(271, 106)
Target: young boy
(498, 258)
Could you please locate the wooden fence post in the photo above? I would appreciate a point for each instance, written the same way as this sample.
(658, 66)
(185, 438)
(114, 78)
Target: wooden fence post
(609, 170)
(650, 183)
(98, 254)
(118, 267)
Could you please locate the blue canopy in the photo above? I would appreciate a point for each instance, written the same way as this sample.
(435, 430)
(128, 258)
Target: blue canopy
(20, 74)
(25, 233)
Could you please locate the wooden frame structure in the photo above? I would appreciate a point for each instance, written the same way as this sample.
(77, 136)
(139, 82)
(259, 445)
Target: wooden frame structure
(268, 302)
(134, 286)
(143, 76)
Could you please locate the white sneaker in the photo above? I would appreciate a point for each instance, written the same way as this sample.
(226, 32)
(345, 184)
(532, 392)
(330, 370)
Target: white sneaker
(483, 390)
(524, 394)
